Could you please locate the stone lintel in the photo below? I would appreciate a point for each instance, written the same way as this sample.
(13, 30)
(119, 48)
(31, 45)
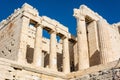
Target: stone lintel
(53, 22)
(85, 11)
(32, 17)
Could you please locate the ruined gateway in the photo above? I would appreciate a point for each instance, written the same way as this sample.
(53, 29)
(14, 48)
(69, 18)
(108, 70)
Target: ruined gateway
(25, 54)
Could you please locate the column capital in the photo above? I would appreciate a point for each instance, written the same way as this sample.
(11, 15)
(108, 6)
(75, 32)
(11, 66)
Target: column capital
(52, 32)
(64, 37)
(23, 16)
(39, 25)
(79, 15)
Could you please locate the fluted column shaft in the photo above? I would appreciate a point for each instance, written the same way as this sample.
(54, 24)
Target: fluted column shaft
(66, 56)
(23, 37)
(104, 42)
(82, 44)
(53, 54)
(37, 59)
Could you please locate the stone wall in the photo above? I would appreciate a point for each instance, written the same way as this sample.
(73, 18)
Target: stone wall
(10, 70)
(115, 42)
(93, 45)
(109, 71)
(9, 38)
(108, 74)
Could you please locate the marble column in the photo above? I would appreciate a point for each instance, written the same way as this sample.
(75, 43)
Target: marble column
(23, 40)
(104, 42)
(66, 56)
(53, 54)
(82, 44)
(38, 56)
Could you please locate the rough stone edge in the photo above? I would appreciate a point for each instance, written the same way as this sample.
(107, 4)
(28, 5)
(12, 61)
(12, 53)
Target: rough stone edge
(30, 68)
(93, 69)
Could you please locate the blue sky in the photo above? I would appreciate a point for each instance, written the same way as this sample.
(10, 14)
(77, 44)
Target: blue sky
(62, 10)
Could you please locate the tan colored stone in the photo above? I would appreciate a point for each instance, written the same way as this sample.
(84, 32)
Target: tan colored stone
(105, 44)
(25, 54)
(82, 45)
(66, 56)
(23, 38)
(37, 60)
(53, 54)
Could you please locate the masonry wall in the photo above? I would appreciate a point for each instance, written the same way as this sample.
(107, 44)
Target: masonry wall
(93, 44)
(14, 71)
(108, 74)
(113, 38)
(115, 42)
(9, 38)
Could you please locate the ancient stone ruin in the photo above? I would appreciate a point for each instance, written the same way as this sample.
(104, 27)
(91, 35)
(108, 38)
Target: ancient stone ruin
(25, 53)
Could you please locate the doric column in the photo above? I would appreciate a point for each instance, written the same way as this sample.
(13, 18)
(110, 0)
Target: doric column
(53, 54)
(104, 42)
(37, 59)
(66, 56)
(23, 40)
(82, 44)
